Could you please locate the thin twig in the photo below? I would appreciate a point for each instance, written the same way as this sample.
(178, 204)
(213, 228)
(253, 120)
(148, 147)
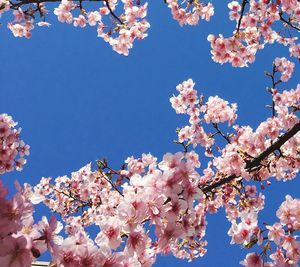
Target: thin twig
(241, 16)
(112, 12)
(215, 125)
(111, 183)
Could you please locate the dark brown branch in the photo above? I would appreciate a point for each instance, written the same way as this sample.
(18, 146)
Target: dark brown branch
(288, 22)
(223, 181)
(256, 161)
(215, 125)
(112, 13)
(83, 203)
(274, 83)
(241, 16)
(80, 5)
(185, 146)
(39, 9)
(275, 146)
(110, 182)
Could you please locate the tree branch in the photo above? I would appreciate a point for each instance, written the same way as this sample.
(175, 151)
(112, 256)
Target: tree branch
(242, 14)
(26, 2)
(38, 2)
(256, 161)
(112, 13)
(110, 182)
(219, 183)
(288, 22)
(275, 146)
(215, 125)
(274, 83)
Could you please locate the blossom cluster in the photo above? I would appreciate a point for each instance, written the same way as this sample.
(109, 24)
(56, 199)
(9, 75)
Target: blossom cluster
(171, 195)
(120, 31)
(243, 203)
(165, 195)
(285, 67)
(150, 207)
(191, 12)
(283, 235)
(257, 24)
(121, 22)
(214, 111)
(243, 143)
(12, 148)
(22, 240)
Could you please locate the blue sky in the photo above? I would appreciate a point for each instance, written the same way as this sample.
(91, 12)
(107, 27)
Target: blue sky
(78, 101)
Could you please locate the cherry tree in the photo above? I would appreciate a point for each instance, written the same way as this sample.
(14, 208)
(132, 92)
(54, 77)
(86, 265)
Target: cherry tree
(150, 206)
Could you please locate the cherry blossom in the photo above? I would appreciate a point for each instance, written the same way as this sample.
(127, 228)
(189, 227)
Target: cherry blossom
(191, 12)
(121, 22)
(252, 260)
(12, 148)
(150, 207)
(284, 66)
(257, 24)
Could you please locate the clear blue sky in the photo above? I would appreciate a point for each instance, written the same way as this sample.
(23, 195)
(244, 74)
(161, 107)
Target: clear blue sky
(78, 101)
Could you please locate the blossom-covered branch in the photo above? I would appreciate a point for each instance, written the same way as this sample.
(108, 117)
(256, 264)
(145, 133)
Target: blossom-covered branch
(173, 196)
(119, 25)
(258, 23)
(121, 22)
(256, 162)
(12, 149)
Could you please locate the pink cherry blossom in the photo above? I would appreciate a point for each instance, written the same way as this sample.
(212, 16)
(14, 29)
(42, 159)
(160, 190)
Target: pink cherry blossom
(149, 206)
(252, 260)
(15, 252)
